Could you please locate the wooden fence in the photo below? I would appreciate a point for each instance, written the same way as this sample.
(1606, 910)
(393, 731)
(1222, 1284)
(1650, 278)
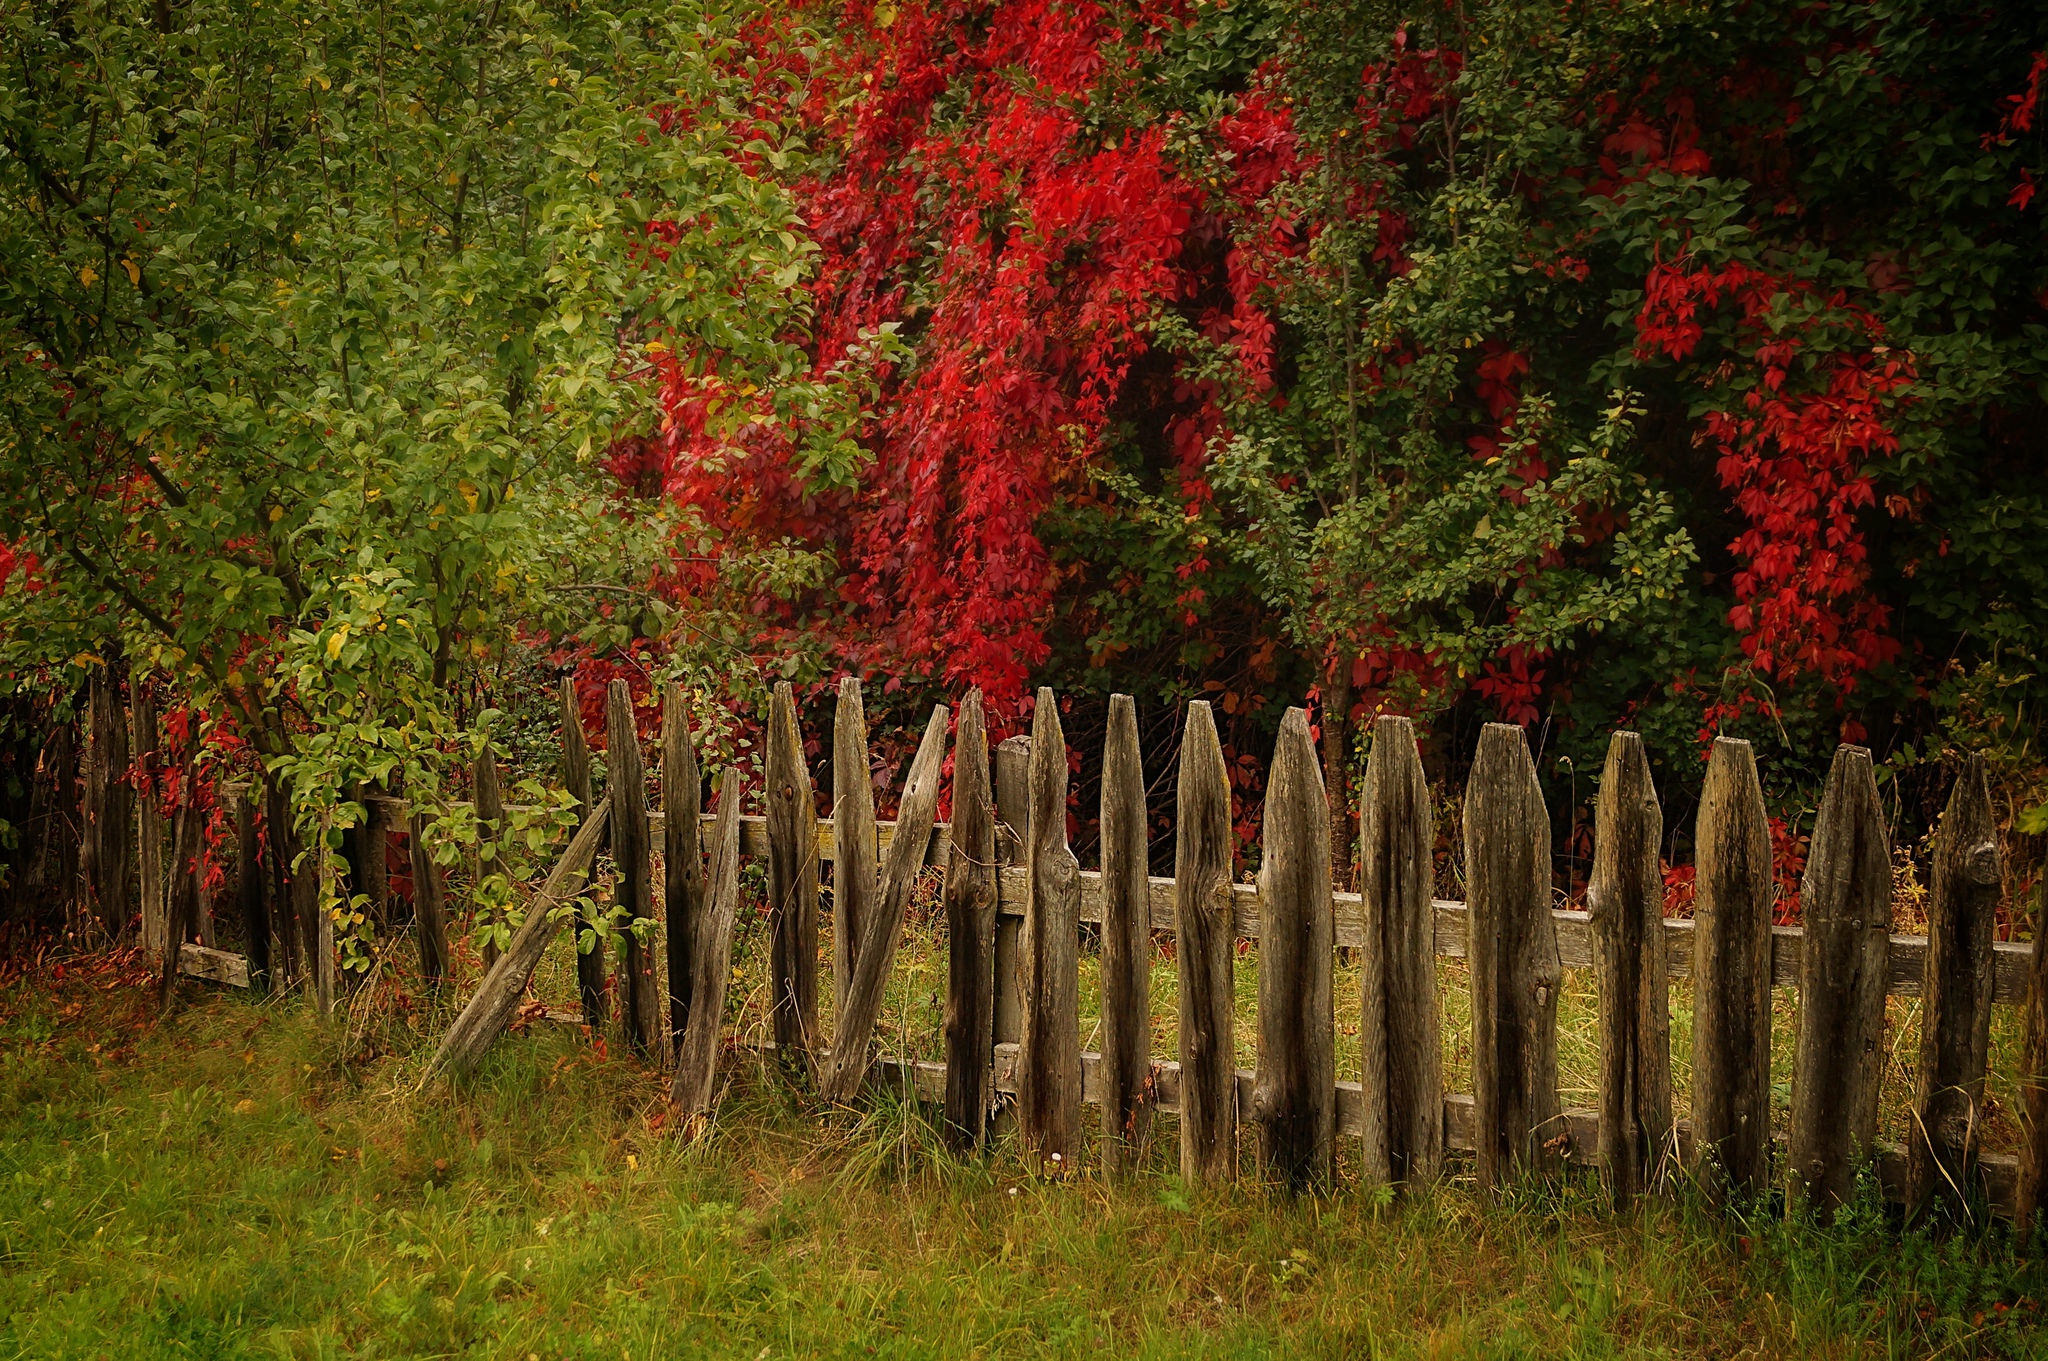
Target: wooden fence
(1015, 899)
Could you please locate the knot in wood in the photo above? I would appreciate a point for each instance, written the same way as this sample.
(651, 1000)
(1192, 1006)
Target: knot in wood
(1982, 863)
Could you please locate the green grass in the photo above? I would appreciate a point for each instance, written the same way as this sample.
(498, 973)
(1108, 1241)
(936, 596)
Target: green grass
(236, 1180)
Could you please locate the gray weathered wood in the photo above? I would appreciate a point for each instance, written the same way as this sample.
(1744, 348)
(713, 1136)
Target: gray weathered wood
(281, 848)
(149, 813)
(497, 998)
(590, 968)
(1399, 1032)
(215, 966)
(429, 905)
(1838, 1067)
(1049, 953)
(488, 806)
(792, 823)
(1205, 953)
(695, 1088)
(323, 935)
(881, 927)
(1955, 1008)
(1294, 1097)
(853, 838)
(1013, 820)
(1126, 945)
(1731, 963)
(632, 854)
(249, 887)
(1625, 902)
(2033, 1082)
(970, 905)
(110, 824)
(184, 906)
(1515, 964)
(682, 857)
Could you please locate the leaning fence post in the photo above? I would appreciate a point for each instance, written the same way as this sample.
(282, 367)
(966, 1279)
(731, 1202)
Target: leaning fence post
(1049, 1060)
(1955, 995)
(626, 779)
(1126, 944)
(695, 1081)
(970, 902)
(853, 838)
(682, 859)
(1625, 900)
(1731, 971)
(1013, 815)
(489, 808)
(1399, 1030)
(792, 810)
(576, 779)
(1294, 1098)
(1514, 960)
(1845, 959)
(1205, 953)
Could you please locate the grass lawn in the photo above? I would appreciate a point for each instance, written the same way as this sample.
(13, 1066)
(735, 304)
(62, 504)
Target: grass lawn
(235, 1180)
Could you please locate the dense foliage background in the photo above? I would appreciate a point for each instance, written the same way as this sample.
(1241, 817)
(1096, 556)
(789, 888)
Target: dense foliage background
(1679, 365)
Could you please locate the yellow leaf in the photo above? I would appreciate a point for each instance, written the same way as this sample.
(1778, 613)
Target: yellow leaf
(468, 491)
(134, 273)
(88, 276)
(276, 514)
(335, 640)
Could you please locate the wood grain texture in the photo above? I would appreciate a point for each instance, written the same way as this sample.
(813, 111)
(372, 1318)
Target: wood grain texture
(854, 870)
(1955, 1007)
(1205, 953)
(590, 965)
(149, 817)
(695, 1088)
(496, 999)
(1838, 1067)
(1515, 964)
(2033, 1082)
(882, 925)
(110, 803)
(249, 894)
(429, 904)
(682, 859)
(632, 854)
(488, 797)
(1126, 945)
(1049, 951)
(1013, 814)
(792, 822)
(1399, 1030)
(1294, 1095)
(280, 849)
(1731, 964)
(1625, 902)
(970, 907)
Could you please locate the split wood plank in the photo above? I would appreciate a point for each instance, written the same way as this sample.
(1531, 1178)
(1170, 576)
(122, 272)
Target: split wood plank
(1049, 953)
(1838, 1068)
(695, 1088)
(1013, 814)
(682, 859)
(1206, 953)
(970, 907)
(590, 966)
(633, 854)
(1399, 1030)
(214, 966)
(792, 825)
(853, 837)
(1126, 944)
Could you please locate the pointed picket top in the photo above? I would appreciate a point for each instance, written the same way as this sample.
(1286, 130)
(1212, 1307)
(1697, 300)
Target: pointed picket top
(792, 817)
(682, 857)
(854, 867)
(970, 906)
(1733, 890)
(1049, 953)
(1126, 943)
(1205, 953)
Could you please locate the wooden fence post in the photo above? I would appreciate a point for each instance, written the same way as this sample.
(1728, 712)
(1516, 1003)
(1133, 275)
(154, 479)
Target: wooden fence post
(1126, 945)
(280, 846)
(2033, 1082)
(185, 905)
(853, 838)
(376, 866)
(1399, 1030)
(1294, 1099)
(429, 903)
(1625, 899)
(1731, 970)
(792, 809)
(1205, 950)
(488, 795)
(1049, 1059)
(882, 925)
(626, 779)
(590, 971)
(150, 814)
(110, 828)
(1845, 960)
(1955, 993)
(256, 929)
(1013, 815)
(970, 901)
(1514, 960)
(323, 932)
(696, 1079)
(682, 856)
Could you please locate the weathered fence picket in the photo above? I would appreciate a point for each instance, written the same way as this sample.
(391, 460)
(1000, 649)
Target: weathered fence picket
(632, 855)
(1294, 1098)
(853, 838)
(696, 1079)
(149, 815)
(792, 816)
(1955, 1005)
(1205, 953)
(1049, 951)
(1515, 966)
(682, 860)
(488, 798)
(1126, 944)
(249, 887)
(1731, 1029)
(429, 903)
(970, 907)
(1625, 904)
(1838, 1068)
(1013, 820)
(1400, 1049)
(590, 966)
